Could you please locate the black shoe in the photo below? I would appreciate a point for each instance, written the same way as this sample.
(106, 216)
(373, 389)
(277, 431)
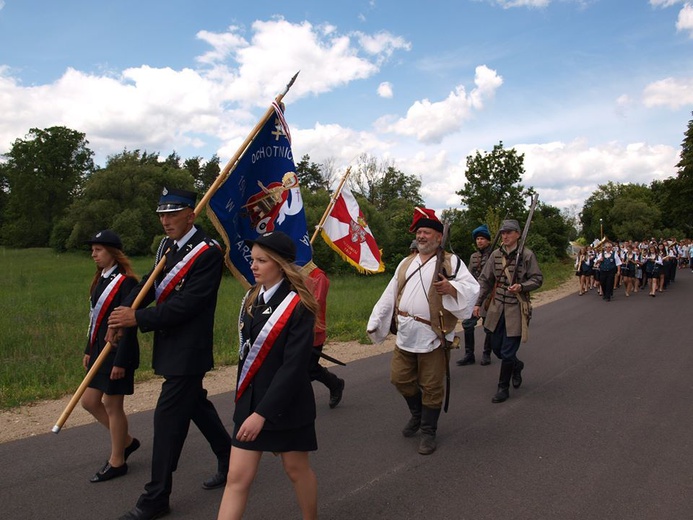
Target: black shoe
(140, 514)
(336, 393)
(217, 481)
(485, 359)
(134, 446)
(468, 359)
(108, 472)
(502, 395)
(517, 374)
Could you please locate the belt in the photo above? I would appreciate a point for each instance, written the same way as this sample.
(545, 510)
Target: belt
(415, 318)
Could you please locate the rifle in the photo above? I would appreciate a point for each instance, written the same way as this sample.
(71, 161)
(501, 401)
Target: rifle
(444, 343)
(523, 238)
(525, 306)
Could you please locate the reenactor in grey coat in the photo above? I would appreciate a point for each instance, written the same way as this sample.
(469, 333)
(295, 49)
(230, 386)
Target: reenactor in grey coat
(506, 293)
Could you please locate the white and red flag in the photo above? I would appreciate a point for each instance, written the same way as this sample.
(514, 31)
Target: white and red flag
(346, 231)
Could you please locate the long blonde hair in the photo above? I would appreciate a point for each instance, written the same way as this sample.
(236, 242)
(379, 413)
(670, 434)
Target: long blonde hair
(121, 260)
(297, 280)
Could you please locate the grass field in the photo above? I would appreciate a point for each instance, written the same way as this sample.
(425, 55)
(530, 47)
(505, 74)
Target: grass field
(44, 309)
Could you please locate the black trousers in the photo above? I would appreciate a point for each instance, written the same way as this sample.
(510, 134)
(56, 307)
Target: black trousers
(182, 399)
(606, 279)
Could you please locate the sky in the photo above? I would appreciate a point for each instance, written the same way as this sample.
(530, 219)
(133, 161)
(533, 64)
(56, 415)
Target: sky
(590, 91)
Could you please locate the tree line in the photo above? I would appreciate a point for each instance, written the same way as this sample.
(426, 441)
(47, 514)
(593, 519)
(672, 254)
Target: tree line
(53, 195)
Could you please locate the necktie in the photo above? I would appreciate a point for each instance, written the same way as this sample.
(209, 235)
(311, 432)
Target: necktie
(261, 299)
(169, 257)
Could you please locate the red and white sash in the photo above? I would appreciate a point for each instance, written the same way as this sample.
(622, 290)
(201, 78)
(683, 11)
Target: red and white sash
(98, 311)
(265, 340)
(175, 275)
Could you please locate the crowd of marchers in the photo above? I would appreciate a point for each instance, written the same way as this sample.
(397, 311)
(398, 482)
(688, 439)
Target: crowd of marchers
(637, 266)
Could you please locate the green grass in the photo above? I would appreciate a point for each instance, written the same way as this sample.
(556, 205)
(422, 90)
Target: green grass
(44, 308)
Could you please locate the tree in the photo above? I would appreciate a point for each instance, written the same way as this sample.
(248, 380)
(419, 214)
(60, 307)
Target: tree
(204, 173)
(310, 175)
(493, 184)
(122, 197)
(605, 211)
(675, 196)
(634, 219)
(43, 175)
(549, 234)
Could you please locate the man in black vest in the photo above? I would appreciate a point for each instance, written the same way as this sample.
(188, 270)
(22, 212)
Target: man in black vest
(183, 323)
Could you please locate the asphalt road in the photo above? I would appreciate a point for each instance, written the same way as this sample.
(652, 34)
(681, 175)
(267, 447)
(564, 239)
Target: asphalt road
(601, 429)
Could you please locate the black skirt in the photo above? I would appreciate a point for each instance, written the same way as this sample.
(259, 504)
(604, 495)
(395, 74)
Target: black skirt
(280, 441)
(124, 386)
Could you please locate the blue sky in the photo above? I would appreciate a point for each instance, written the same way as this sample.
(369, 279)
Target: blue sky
(589, 90)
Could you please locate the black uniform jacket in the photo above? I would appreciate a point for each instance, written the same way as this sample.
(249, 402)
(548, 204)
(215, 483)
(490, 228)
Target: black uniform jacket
(126, 354)
(183, 323)
(281, 391)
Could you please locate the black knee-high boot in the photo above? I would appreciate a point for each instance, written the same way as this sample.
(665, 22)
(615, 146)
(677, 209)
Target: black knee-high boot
(429, 427)
(506, 372)
(486, 355)
(468, 358)
(517, 373)
(414, 422)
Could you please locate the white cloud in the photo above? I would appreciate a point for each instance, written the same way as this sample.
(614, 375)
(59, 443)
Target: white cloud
(506, 4)
(385, 90)
(664, 3)
(223, 45)
(670, 92)
(685, 20)
(160, 109)
(279, 48)
(431, 122)
(567, 173)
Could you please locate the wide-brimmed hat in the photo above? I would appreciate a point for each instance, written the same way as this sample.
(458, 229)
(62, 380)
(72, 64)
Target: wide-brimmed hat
(172, 199)
(106, 237)
(510, 225)
(276, 241)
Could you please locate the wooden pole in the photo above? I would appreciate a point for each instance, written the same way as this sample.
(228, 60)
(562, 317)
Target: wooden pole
(162, 263)
(333, 199)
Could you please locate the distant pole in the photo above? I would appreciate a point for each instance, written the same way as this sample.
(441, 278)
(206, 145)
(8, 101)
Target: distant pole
(601, 229)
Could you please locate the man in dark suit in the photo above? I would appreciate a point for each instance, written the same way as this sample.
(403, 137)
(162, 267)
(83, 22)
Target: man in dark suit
(183, 322)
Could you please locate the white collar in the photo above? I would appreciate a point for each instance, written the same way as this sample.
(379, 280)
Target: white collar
(268, 293)
(106, 273)
(184, 239)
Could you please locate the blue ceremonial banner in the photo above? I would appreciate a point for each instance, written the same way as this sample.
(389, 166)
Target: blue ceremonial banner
(260, 195)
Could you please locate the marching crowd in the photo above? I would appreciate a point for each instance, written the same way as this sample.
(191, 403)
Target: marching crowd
(282, 331)
(637, 266)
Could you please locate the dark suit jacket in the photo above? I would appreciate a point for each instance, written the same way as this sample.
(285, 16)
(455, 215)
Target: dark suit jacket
(281, 390)
(183, 324)
(126, 353)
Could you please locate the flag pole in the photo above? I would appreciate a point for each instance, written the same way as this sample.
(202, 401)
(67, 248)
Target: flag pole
(162, 263)
(223, 175)
(333, 200)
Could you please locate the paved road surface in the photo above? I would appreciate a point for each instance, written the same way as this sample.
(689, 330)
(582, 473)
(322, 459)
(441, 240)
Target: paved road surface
(602, 428)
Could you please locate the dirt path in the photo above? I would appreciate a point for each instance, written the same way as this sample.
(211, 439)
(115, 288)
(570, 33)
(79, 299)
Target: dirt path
(38, 418)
